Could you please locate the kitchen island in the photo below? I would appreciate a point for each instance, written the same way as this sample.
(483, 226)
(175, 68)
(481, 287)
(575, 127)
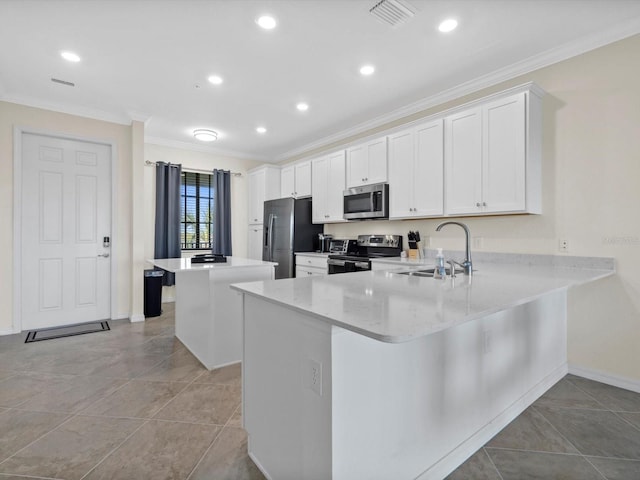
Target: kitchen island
(378, 375)
(208, 313)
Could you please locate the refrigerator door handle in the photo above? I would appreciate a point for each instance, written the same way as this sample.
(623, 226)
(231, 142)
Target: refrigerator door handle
(270, 236)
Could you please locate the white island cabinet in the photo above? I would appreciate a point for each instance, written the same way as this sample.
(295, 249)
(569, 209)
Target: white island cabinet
(380, 375)
(208, 313)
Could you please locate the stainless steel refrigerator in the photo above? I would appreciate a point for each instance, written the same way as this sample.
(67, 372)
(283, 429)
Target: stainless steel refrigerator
(288, 229)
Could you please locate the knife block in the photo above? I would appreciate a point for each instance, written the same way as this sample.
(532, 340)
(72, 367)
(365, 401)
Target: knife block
(414, 253)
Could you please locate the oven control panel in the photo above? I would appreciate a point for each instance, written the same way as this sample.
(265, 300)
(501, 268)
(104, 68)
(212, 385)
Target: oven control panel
(390, 241)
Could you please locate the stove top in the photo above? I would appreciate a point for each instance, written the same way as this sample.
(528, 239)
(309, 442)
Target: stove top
(372, 246)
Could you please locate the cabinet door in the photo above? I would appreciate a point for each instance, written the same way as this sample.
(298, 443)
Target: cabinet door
(463, 162)
(335, 187)
(356, 166)
(319, 175)
(254, 243)
(377, 161)
(401, 166)
(428, 172)
(303, 179)
(503, 174)
(288, 182)
(256, 196)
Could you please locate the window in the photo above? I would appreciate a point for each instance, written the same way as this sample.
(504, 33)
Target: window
(196, 211)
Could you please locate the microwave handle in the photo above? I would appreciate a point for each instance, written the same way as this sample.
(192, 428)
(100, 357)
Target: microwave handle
(372, 199)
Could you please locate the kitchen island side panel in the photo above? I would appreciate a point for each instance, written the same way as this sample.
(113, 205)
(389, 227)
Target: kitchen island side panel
(420, 408)
(288, 423)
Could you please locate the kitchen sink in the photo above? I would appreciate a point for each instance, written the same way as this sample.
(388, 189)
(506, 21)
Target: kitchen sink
(429, 272)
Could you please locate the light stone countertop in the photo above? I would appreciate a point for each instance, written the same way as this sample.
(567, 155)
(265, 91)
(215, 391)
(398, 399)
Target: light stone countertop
(313, 254)
(184, 264)
(393, 308)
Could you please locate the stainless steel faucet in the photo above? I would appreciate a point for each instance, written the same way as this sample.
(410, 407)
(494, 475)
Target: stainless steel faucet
(466, 264)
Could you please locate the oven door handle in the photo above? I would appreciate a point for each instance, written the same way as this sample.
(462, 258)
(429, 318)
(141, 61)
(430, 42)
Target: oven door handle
(338, 263)
(364, 265)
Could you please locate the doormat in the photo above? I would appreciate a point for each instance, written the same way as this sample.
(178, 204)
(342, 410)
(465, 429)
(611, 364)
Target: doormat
(66, 331)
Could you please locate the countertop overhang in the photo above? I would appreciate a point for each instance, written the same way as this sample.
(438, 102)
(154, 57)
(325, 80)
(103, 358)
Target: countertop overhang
(184, 264)
(391, 307)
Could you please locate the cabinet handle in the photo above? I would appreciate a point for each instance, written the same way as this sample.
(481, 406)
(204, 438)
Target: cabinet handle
(477, 204)
(484, 204)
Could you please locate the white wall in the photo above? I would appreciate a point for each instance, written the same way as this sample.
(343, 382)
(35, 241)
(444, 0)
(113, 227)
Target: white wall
(591, 197)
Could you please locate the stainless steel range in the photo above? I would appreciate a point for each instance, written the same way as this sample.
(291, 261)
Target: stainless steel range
(358, 259)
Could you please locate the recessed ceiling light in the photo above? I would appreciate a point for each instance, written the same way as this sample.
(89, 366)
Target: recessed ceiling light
(267, 22)
(261, 130)
(367, 69)
(70, 56)
(205, 135)
(448, 25)
(215, 79)
(303, 107)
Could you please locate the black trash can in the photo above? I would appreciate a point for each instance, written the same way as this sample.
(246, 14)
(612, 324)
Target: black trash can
(153, 292)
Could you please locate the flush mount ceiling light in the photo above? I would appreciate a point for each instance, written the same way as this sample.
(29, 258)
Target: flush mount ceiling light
(303, 107)
(261, 130)
(215, 79)
(205, 135)
(367, 70)
(70, 56)
(267, 22)
(448, 25)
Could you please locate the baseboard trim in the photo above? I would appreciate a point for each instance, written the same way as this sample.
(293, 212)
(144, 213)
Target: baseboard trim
(136, 317)
(460, 454)
(607, 378)
(169, 300)
(257, 462)
(10, 331)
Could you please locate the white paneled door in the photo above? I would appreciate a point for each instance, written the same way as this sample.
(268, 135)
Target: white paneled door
(65, 217)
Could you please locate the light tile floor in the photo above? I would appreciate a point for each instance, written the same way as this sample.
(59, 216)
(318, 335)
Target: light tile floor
(133, 403)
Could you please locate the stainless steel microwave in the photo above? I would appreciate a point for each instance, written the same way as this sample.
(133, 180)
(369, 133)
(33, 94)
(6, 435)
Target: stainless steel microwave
(367, 202)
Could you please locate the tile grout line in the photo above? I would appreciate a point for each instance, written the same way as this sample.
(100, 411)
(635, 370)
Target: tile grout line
(71, 416)
(556, 430)
(589, 395)
(492, 462)
(115, 448)
(212, 442)
(595, 468)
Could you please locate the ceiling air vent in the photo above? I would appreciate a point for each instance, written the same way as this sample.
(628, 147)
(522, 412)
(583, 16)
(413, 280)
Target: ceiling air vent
(63, 82)
(392, 12)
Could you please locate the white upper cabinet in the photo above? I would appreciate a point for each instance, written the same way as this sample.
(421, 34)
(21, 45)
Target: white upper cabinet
(367, 163)
(416, 171)
(328, 179)
(492, 157)
(296, 180)
(263, 184)
(463, 162)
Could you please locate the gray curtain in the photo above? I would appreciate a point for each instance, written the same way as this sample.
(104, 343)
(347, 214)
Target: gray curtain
(222, 212)
(167, 243)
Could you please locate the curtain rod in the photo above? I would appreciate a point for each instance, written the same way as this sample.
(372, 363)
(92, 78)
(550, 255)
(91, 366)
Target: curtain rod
(149, 163)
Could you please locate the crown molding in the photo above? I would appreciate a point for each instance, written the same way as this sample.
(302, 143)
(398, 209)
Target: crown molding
(164, 142)
(139, 117)
(535, 62)
(79, 111)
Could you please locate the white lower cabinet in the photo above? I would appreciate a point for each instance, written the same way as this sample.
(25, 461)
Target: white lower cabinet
(307, 265)
(254, 244)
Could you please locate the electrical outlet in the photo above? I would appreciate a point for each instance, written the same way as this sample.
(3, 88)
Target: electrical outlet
(563, 245)
(314, 376)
